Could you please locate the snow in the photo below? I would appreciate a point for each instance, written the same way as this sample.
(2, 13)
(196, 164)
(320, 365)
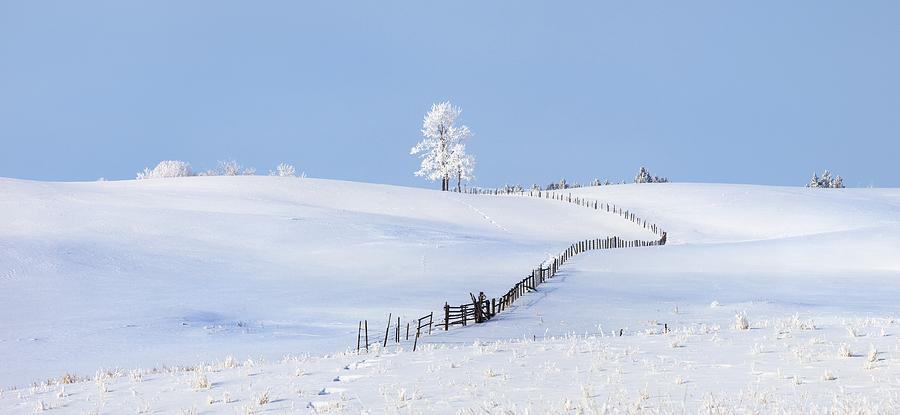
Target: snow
(118, 267)
(174, 271)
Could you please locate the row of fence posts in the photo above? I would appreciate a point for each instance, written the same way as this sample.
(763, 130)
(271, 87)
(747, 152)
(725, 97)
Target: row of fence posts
(481, 309)
(421, 323)
(567, 197)
(460, 315)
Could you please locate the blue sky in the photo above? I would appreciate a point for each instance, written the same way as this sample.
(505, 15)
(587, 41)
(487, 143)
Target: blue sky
(702, 91)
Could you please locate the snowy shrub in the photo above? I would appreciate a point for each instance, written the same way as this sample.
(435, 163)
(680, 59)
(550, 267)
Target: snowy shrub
(741, 322)
(844, 350)
(872, 357)
(233, 168)
(201, 382)
(229, 168)
(826, 181)
(136, 376)
(262, 398)
(598, 182)
(643, 176)
(166, 168)
(284, 170)
(828, 376)
(560, 185)
(68, 378)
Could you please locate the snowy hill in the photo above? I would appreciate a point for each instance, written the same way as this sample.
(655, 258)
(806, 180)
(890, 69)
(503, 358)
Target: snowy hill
(770, 251)
(172, 271)
(153, 273)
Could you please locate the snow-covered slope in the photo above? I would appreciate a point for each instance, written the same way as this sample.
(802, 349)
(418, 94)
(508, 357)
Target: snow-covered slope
(174, 271)
(770, 251)
(697, 213)
(143, 274)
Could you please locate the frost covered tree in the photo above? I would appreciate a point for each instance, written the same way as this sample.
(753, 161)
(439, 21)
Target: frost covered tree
(826, 181)
(443, 149)
(166, 168)
(644, 176)
(464, 165)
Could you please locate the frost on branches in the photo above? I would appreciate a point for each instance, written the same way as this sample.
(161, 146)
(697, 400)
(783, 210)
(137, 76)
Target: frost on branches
(443, 150)
(826, 181)
(644, 176)
(233, 168)
(166, 168)
(284, 170)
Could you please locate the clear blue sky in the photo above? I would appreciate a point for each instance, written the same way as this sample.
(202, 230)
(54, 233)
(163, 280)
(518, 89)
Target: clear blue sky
(705, 91)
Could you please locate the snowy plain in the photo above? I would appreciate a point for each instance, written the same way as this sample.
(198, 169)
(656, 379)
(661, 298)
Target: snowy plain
(187, 272)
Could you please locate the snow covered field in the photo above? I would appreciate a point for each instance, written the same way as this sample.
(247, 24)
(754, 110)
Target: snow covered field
(180, 272)
(175, 271)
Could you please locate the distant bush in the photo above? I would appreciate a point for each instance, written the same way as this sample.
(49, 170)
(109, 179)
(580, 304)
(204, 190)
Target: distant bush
(284, 170)
(643, 176)
(232, 168)
(826, 181)
(166, 168)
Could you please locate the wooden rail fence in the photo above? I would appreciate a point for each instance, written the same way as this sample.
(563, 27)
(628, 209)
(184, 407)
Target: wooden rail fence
(482, 309)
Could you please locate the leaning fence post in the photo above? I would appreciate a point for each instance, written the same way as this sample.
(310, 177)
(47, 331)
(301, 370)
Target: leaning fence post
(366, 328)
(387, 330)
(358, 335)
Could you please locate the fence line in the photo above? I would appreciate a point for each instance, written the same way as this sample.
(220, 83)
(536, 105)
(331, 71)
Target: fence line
(482, 308)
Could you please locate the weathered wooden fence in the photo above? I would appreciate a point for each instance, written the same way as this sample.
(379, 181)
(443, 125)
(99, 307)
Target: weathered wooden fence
(482, 309)
(418, 326)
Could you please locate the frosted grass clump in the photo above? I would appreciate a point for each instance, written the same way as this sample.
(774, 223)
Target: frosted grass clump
(741, 322)
(844, 351)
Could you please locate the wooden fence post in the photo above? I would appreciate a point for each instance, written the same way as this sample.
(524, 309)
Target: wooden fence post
(387, 330)
(446, 316)
(366, 328)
